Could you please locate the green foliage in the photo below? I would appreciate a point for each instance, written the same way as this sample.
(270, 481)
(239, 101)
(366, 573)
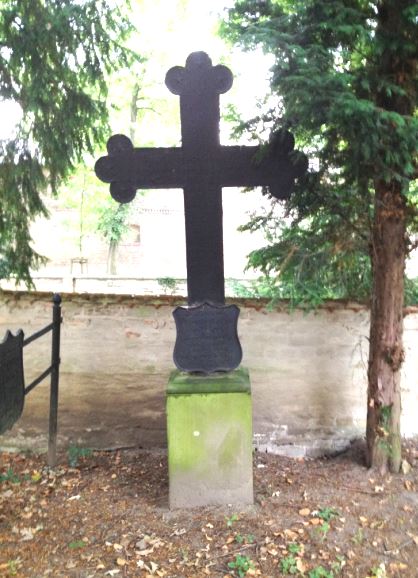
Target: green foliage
(55, 58)
(241, 564)
(10, 477)
(168, 284)
(231, 520)
(288, 565)
(113, 225)
(113, 221)
(294, 548)
(358, 537)
(379, 571)
(327, 514)
(75, 453)
(342, 90)
(244, 539)
(77, 544)
(320, 572)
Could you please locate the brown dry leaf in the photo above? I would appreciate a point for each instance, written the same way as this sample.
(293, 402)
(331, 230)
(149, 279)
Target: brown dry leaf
(121, 561)
(230, 539)
(406, 467)
(304, 512)
(409, 485)
(315, 521)
(397, 566)
(301, 566)
(290, 534)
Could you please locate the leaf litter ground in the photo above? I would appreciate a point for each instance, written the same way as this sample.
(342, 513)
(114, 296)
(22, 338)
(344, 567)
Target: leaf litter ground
(107, 515)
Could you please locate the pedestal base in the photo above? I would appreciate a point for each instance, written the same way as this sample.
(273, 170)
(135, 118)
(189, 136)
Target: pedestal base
(209, 428)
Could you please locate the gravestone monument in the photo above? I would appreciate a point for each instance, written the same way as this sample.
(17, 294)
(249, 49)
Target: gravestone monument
(208, 399)
(12, 382)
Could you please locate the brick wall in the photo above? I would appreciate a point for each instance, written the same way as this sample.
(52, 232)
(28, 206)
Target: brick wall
(308, 371)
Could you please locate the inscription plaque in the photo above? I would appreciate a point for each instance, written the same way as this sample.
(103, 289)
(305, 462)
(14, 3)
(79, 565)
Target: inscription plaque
(207, 339)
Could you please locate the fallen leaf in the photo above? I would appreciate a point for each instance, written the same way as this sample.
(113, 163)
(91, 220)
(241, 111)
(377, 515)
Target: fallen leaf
(406, 467)
(121, 561)
(290, 534)
(397, 566)
(36, 476)
(304, 512)
(409, 485)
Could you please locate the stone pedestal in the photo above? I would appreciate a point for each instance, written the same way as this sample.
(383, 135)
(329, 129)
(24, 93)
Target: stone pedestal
(209, 428)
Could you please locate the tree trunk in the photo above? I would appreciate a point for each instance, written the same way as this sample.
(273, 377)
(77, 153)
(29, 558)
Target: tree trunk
(386, 328)
(111, 258)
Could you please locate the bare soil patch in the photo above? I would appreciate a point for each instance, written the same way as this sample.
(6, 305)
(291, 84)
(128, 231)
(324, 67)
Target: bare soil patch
(107, 515)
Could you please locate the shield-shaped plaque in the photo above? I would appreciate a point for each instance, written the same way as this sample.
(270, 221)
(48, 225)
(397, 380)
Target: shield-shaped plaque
(207, 338)
(12, 383)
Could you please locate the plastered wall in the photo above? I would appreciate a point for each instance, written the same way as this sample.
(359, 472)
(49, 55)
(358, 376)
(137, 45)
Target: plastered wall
(308, 372)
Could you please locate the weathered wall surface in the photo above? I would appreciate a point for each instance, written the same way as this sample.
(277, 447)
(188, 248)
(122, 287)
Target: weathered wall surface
(308, 371)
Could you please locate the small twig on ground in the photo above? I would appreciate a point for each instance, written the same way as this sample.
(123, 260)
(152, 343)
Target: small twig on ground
(398, 548)
(238, 551)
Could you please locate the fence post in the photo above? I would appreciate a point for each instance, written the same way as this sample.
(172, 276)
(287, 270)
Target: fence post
(55, 362)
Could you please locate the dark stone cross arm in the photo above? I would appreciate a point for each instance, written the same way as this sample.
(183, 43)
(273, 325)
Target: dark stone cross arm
(201, 167)
(128, 169)
(207, 339)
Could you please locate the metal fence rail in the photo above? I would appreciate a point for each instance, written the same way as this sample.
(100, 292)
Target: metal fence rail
(52, 370)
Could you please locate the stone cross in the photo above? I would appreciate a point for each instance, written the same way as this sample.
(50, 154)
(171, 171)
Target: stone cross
(201, 167)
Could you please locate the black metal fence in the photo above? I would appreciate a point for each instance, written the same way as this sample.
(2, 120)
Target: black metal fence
(12, 386)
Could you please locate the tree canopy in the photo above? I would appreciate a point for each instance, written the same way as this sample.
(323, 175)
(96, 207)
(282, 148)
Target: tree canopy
(331, 81)
(346, 75)
(55, 58)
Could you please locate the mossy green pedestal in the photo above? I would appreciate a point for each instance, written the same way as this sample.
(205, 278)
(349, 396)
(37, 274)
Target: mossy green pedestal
(209, 428)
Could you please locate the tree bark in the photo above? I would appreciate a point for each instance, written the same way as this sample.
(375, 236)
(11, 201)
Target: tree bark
(389, 250)
(111, 258)
(386, 352)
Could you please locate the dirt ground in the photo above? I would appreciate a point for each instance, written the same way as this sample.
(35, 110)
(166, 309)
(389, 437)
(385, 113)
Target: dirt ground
(106, 514)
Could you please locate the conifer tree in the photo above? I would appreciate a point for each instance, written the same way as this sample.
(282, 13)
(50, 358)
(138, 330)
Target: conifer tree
(55, 56)
(346, 75)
